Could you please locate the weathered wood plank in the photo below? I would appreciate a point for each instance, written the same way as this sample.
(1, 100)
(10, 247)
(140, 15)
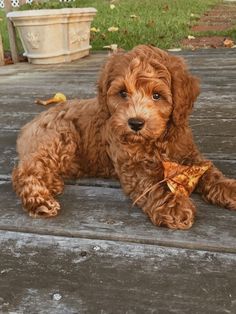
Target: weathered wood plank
(106, 213)
(108, 277)
(205, 108)
(61, 73)
(224, 81)
(217, 147)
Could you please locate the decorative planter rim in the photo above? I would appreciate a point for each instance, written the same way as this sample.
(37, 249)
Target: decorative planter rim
(49, 12)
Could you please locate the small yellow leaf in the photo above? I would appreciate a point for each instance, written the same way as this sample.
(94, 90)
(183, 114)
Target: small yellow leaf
(113, 47)
(174, 49)
(133, 16)
(58, 97)
(191, 37)
(95, 30)
(113, 29)
(112, 6)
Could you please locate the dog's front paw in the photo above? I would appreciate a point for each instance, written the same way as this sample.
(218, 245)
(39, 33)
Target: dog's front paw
(48, 208)
(178, 213)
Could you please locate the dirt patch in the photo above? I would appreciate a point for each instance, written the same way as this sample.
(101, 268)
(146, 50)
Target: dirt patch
(213, 27)
(204, 42)
(220, 18)
(8, 58)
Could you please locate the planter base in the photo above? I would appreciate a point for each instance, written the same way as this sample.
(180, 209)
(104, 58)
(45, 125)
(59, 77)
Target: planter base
(63, 58)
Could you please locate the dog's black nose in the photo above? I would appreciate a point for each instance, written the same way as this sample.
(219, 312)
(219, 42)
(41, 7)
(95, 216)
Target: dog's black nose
(136, 124)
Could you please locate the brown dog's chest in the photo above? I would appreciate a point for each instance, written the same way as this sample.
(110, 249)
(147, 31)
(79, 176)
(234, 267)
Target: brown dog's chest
(137, 159)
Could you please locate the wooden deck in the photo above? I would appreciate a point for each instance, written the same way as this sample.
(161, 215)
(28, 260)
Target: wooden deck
(101, 255)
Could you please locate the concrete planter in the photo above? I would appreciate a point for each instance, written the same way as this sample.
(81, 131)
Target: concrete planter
(54, 36)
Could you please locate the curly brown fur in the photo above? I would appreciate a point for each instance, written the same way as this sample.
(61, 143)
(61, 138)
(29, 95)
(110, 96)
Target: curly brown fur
(139, 118)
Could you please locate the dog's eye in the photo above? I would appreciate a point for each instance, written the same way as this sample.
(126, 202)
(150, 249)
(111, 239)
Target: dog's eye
(155, 96)
(123, 94)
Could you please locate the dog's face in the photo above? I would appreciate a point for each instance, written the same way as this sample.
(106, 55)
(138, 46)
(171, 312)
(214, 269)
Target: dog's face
(138, 91)
(140, 101)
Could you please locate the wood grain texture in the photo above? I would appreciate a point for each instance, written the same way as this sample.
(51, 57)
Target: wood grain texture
(95, 276)
(106, 213)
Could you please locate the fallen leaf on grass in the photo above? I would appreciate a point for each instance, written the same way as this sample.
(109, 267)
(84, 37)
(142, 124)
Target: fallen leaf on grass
(58, 97)
(228, 43)
(166, 7)
(103, 36)
(113, 47)
(183, 179)
(151, 23)
(94, 30)
(191, 37)
(113, 29)
(174, 49)
(195, 16)
(133, 16)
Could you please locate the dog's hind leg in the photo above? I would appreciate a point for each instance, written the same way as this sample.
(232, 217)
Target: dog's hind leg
(39, 174)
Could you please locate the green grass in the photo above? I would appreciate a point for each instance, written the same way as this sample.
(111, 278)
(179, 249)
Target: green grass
(3, 30)
(162, 23)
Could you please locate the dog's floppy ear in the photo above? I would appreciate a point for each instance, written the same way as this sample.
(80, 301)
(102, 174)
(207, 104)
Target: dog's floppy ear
(103, 83)
(184, 87)
(111, 69)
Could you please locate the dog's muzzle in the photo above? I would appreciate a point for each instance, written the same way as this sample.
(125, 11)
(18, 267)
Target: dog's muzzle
(136, 124)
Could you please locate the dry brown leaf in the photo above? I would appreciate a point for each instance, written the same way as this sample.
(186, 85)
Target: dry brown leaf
(183, 179)
(228, 43)
(151, 23)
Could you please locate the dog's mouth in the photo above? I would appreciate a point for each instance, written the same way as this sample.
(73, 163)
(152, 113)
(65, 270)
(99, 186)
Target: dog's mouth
(133, 137)
(143, 136)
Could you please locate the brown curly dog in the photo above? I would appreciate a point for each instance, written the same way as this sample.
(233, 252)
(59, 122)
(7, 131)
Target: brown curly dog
(139, 117)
